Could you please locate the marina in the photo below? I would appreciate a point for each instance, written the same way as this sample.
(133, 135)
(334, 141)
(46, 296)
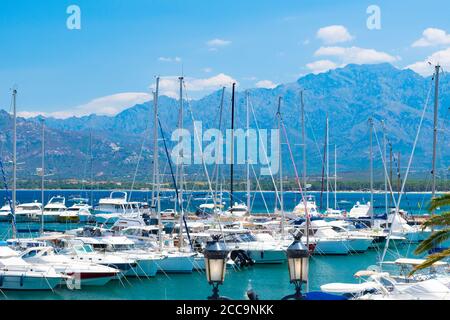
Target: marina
(212, 152)
(269, 280)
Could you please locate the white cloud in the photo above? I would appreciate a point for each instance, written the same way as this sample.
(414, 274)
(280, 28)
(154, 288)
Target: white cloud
(334, 34)
(108, 105)
(265, 84)
(207, 70)
(424, 68)
(169, 86)
(321, 66)
(356, 55)
(169, 59)
(214, 44)
(432, 37)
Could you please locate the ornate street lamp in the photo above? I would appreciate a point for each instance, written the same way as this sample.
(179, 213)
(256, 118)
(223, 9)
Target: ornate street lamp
(298, 262)
(216, 254)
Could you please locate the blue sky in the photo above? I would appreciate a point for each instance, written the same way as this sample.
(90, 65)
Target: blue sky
(111, 62)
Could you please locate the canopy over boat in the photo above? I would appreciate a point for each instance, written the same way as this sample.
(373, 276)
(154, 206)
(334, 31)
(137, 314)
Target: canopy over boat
(349, 287)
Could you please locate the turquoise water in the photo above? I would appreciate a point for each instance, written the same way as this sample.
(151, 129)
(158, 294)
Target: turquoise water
(269, 281)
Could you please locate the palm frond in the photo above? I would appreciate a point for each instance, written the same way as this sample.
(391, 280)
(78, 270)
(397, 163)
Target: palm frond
(441, 201)
(431, 260)
(438, 220)
(435, 238)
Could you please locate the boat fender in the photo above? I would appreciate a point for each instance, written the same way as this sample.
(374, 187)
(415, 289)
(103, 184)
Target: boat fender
(262, 254)
(21, 280)
(1, 280)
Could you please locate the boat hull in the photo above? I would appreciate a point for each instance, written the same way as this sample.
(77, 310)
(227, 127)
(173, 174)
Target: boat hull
(331, 247)
(23, 282)
(143, 268)
(360, 245)
(176, 264)
(267, 256)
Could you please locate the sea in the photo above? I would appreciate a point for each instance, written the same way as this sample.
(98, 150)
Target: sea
(268, 281)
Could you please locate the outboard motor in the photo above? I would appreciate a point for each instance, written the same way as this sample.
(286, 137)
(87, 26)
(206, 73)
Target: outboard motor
(241, 258)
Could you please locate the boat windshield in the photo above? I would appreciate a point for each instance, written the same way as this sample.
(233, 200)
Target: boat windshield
(88, 248)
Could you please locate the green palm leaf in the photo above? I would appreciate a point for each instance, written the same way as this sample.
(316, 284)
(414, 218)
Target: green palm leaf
(434, 239)
(431, 260)
(438, 220)
(441, 201)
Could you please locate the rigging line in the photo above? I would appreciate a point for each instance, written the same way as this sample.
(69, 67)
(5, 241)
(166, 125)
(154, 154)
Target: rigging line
(314, 137)
(277, 196)
(397, 204)
(5, 184)
(174, 182)
(297, 179)
(198, 140)
(137, 165)
(202, 155)
(260, 189)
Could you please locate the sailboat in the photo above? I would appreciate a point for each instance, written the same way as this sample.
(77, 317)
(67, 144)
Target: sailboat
(236, 209)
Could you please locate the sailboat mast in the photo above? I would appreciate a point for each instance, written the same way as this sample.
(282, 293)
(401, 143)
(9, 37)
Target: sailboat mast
(248, 153)
(398, 177)
(217, 162)
(232, 148)
(385, 176)
(328, 165)
(335, 177)
(91, 165)
(14, 186)
(391, 198)
(156, 202)
(435, 128)
(42, 172)
(180, 166)
(371, 170)
(281, 169)
(303, 139)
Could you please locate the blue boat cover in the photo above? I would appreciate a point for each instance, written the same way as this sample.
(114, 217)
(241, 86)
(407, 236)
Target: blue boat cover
(323, 296)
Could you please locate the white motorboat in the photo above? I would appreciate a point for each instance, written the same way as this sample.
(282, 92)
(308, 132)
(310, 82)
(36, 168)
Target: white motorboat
(147, 262)
(79, 212)
(110, 209)
(360, 210)
(25, 211)
(326, 241)
(238, 210)
(83, 273)
(381, 286)
(17, 274)
(52, 210)
(78, 251)
(311, 207)
(5, 213)
(146, 238)
(242, 240)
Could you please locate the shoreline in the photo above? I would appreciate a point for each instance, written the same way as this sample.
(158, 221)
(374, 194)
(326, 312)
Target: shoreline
(241, 191)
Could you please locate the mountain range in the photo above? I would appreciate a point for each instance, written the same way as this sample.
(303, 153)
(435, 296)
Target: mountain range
(348, 95)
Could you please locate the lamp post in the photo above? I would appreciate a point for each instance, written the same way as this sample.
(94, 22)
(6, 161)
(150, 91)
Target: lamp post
(298, 262)
(216, 254)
